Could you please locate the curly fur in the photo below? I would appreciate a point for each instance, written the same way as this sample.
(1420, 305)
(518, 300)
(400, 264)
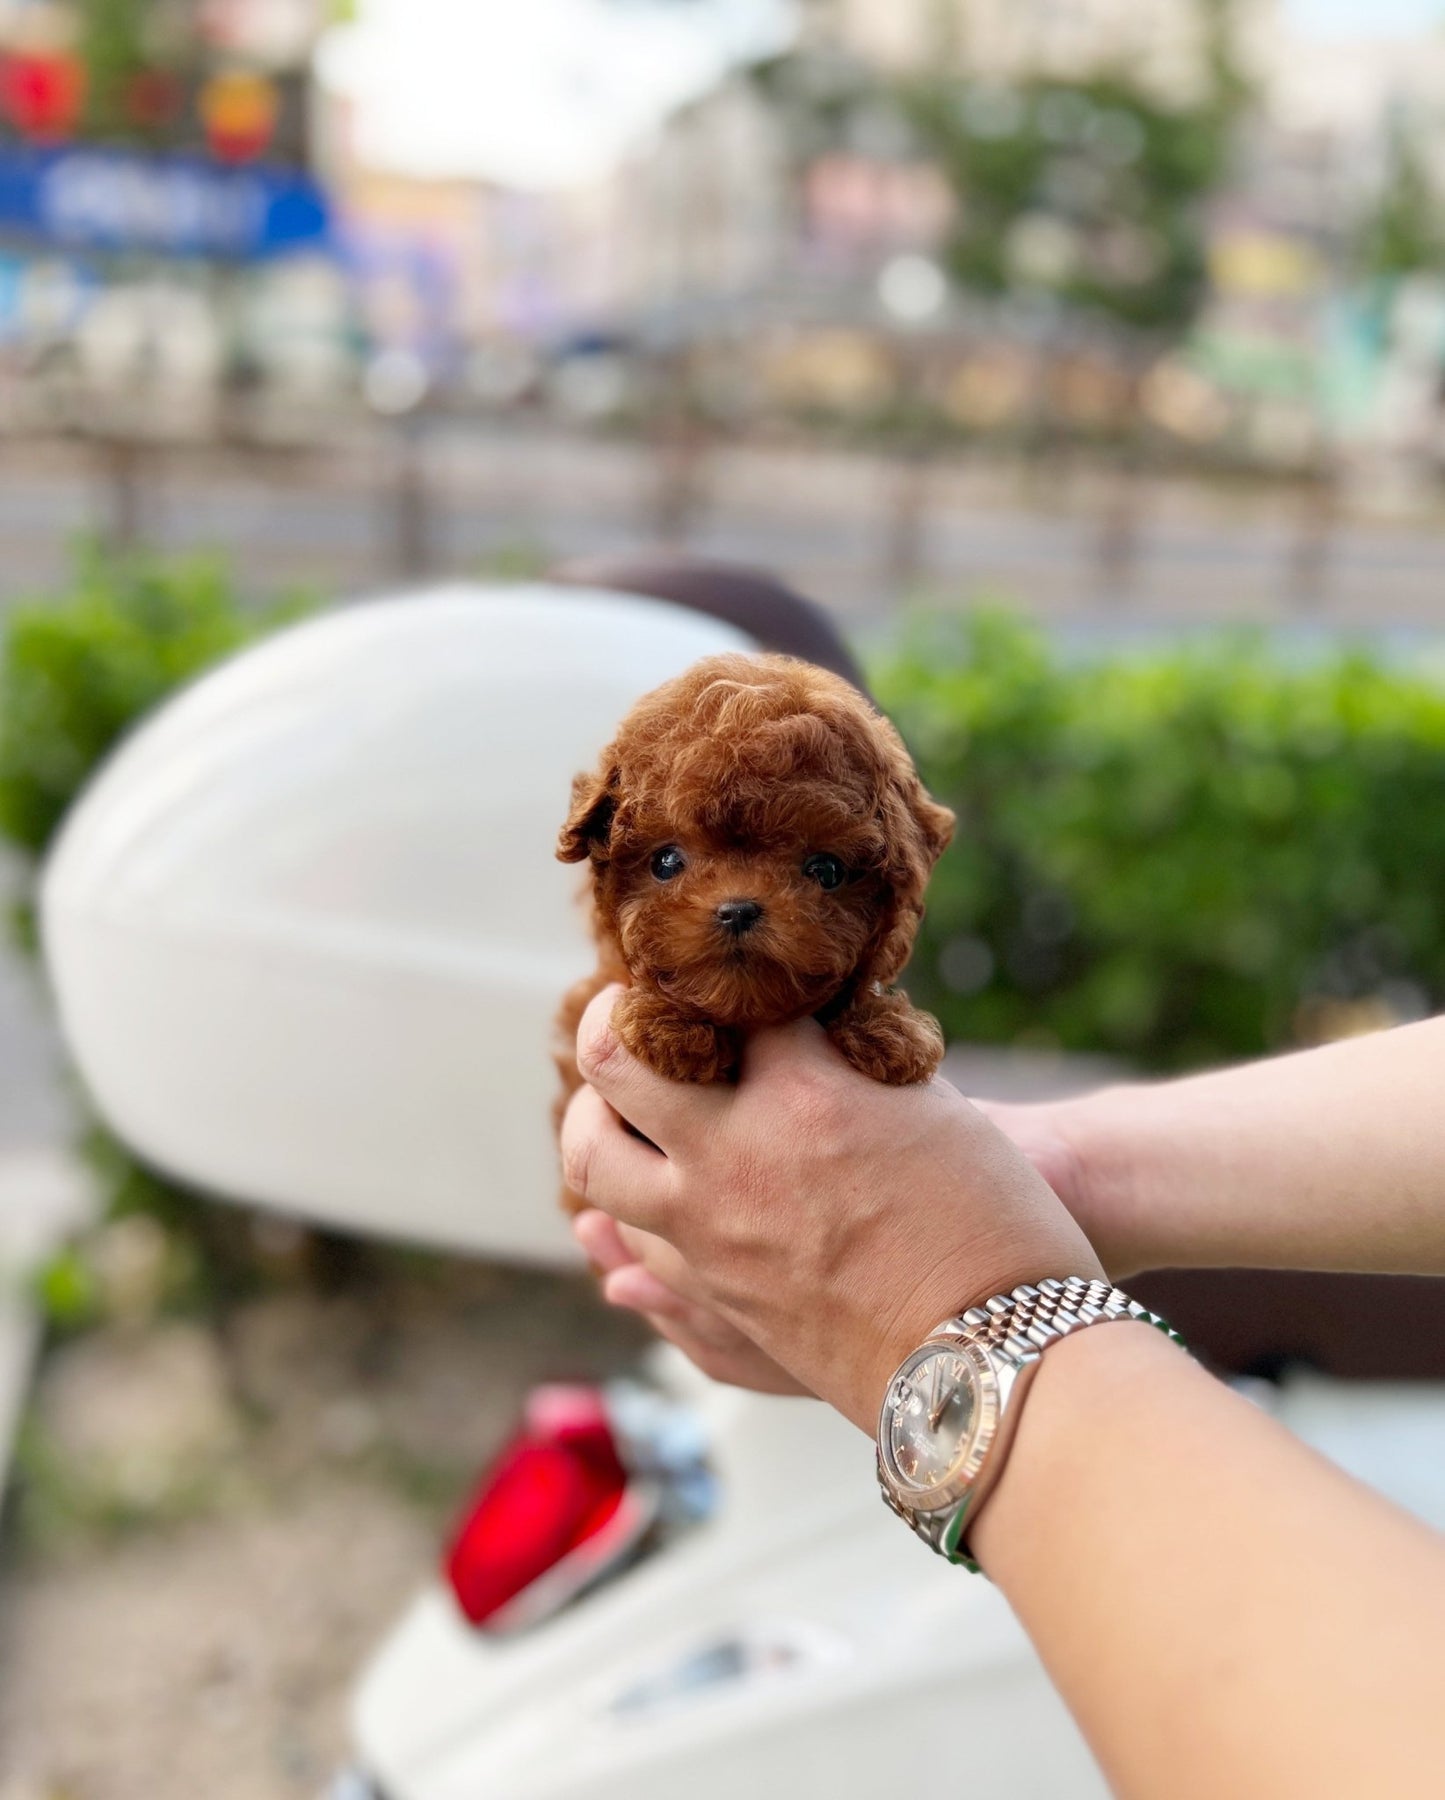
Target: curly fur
(749, 765)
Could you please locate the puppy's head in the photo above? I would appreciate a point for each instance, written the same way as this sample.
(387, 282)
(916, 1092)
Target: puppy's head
(759, 840)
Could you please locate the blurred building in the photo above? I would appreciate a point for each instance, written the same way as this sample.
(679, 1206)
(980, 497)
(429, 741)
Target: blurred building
(1162, 42)
(743, 203)
(1324, 101)
(225, 78)
(742, 192)
(465, 276)
(710, 209)
(197, 203)
(156, 199)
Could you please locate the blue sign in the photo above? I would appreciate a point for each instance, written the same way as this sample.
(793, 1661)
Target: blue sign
(90, 199)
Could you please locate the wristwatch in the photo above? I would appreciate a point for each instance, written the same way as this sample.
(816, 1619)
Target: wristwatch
(951, 1409)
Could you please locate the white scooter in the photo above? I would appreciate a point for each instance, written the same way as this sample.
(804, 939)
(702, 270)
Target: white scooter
(307, 936)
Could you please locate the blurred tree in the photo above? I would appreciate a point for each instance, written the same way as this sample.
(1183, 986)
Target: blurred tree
(1403, 234)
(1082, 194)
(113, 48)
(1087, 189)
(78, 670)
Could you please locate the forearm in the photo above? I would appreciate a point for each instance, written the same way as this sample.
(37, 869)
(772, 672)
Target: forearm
(1329, 1159)
(1223, 1612)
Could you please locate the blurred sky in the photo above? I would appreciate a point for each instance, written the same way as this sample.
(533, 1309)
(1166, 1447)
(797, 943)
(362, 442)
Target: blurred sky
(1364, 18)
(535, 92)
(548, 92)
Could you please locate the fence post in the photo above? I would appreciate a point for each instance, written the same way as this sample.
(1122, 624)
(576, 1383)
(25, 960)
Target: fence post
(123, 499)
(410, 515)
(1309, 558)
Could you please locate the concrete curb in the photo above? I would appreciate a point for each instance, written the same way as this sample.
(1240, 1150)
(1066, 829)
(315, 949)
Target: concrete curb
(988, 1072)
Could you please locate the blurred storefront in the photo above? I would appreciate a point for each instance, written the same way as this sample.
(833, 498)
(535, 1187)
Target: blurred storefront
(179, 198)
(163, 236)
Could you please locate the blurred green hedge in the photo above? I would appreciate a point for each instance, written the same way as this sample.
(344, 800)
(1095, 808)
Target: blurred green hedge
(1176, 857)
(78, 669)
(1180, 856)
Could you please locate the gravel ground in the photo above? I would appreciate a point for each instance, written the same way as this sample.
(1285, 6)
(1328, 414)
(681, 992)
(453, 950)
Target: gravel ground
(212, 1660)
(216, 1527)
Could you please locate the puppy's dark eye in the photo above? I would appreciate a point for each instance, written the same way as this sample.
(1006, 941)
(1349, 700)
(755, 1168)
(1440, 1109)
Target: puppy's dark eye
(826, 870)
(668, 863)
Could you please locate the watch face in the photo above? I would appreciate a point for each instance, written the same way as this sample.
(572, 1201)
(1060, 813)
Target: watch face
(932, 1409)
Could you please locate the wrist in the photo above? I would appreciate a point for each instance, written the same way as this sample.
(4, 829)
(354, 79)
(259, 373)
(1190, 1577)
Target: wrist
(954, 1286)
(1108, 1138)
(1081, 1384)
(951, 1413)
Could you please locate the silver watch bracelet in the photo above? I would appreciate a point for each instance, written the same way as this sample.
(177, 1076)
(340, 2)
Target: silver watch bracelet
(1021, 1325)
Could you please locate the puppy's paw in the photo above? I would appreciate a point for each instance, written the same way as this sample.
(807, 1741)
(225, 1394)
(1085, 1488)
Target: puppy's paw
(670, 1043)
(886, 1038)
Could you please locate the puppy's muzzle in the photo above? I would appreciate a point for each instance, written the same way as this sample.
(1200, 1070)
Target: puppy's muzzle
(738, 917)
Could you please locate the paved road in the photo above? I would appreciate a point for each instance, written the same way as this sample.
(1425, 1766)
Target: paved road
(830, 521)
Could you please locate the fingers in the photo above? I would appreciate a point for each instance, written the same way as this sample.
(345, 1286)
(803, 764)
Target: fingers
(716, 1347)
(659, 1288)
(601, 1239)
(632, 1284)
(640, 1290)
(698, 1352)
(667, 1263)
(612, 1249)
(673, 1114)
(735, 1361)
(609, 1168)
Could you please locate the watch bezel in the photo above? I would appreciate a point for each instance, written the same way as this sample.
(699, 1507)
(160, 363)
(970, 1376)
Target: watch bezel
(983, 1428)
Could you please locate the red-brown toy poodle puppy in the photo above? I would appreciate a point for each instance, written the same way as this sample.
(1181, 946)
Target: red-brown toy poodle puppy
(759, 844)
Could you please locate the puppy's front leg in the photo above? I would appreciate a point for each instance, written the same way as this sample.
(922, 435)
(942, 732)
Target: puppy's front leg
(670, 1042)
(887, 1038)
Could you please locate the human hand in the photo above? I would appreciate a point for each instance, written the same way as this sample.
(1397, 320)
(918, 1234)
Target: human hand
(1080, 1147)
(830, 1220)
(646, 1275)
(1061, 1139)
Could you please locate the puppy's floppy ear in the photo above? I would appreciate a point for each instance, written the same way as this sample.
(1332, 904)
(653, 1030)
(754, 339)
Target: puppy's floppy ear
(917, 828)
(933, 823)
(918, 831)
(589, 823)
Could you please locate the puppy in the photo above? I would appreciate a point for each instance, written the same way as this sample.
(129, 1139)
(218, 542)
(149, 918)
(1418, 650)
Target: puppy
(759, 845)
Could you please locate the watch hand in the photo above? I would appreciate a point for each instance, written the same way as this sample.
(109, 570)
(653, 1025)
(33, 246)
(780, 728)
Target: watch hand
(936, 1402)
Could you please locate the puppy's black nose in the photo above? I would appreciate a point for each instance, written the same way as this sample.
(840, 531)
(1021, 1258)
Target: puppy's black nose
(738, 916)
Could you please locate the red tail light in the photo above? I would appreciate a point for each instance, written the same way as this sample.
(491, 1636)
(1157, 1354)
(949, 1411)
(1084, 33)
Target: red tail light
(555, 1503)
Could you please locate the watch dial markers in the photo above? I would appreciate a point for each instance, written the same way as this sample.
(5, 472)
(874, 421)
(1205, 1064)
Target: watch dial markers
(932, 1412)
